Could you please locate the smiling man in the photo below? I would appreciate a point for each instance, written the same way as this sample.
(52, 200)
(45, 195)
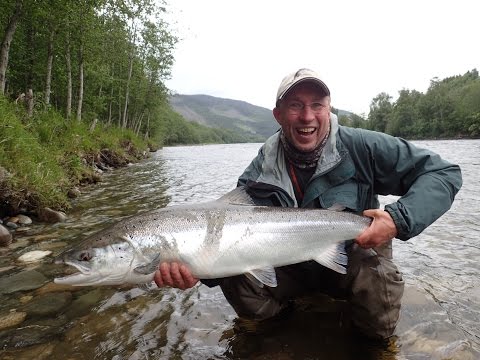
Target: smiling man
(313, 162)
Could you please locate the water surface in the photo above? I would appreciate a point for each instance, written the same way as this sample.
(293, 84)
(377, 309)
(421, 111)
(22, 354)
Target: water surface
(441, 307)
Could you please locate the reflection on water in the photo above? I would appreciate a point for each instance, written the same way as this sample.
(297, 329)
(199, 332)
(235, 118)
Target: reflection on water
(441, 307)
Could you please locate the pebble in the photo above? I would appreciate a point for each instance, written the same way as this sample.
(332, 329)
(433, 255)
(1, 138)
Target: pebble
(34, 256)
(51, 216)
(5, 236)
(24, 219)
(48, 304)
(22, 281)
(12, 319)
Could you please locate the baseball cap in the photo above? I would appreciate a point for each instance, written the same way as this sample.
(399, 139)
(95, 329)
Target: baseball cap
(297, 77)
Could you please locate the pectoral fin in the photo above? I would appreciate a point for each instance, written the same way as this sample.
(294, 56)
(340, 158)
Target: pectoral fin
(149, 268)
(264, 276)
(335, 258)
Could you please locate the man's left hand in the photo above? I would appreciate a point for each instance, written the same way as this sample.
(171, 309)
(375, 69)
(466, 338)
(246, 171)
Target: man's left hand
(381, 230)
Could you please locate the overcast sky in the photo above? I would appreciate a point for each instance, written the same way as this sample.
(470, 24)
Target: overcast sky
(242, 49)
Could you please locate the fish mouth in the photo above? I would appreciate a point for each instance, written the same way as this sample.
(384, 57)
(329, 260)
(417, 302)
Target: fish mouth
(77, 278)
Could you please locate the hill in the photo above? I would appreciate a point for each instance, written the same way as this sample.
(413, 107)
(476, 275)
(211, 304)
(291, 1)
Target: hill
(238, 116)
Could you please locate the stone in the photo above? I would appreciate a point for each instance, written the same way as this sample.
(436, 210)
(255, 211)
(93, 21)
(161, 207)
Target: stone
(5, 236)
(48, 304)
(34, 256)
(51, 216)
(24, 219)
(22, 281)
(12, 319)
(73, 193)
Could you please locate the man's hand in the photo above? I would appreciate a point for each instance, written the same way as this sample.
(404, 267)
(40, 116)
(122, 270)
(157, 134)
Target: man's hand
(379, 232)
(174, 275)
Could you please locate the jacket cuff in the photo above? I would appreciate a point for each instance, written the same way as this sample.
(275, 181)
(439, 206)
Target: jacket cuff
(403, 228)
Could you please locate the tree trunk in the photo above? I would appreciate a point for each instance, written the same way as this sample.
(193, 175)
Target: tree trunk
(48, 80)
(29, 102)
(68, 60)
(6, 41)
(129, 78)
(80, 84)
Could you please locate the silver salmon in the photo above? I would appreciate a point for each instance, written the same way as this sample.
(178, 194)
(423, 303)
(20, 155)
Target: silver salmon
(214, 239)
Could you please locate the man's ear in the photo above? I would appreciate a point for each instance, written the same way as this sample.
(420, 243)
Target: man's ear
(276, 115)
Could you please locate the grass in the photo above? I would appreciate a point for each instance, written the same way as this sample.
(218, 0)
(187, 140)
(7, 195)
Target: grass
(44, 156)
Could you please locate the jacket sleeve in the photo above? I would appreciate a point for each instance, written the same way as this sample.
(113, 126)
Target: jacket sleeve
(426, 183)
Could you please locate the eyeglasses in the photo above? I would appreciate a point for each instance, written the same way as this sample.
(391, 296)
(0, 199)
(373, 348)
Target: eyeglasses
(295, 107)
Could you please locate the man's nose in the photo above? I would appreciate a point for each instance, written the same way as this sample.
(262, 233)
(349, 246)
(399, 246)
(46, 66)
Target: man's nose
(307, 113)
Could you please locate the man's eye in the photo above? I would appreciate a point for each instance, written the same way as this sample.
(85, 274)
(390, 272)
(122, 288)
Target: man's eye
(316, 106)
(295, 106)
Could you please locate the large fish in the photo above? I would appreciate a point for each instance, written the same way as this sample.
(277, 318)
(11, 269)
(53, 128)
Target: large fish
(214, 239)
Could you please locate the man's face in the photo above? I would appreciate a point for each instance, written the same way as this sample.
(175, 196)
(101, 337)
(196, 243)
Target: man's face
(304, 115)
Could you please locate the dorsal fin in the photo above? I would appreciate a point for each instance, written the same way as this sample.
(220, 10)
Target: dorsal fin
(237, 196)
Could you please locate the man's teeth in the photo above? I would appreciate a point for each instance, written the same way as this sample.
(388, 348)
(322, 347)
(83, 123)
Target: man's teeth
(306, 130)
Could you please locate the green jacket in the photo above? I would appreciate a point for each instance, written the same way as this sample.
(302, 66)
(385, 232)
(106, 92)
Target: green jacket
(355, 167)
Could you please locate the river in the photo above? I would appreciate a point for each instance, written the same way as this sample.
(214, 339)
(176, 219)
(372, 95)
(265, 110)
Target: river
(440, 311)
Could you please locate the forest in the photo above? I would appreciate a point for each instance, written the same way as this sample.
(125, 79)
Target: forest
(450, 108)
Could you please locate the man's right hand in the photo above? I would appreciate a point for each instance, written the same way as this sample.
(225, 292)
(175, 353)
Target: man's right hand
(174, 275)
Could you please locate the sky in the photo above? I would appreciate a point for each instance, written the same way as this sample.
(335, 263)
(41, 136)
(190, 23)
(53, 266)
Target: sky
(242, 49)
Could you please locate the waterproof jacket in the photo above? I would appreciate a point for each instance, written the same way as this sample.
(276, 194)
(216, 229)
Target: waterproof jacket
(355, 167)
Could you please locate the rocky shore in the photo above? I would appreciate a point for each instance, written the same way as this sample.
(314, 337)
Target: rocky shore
(20, 208)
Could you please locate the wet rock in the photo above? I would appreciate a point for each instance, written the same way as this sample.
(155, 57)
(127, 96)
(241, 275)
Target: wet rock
(52, 245)
(6, 269)
(51, 287)
(5, 236)
(25, 299)
(34, 256)
(11, 225)
(48, 304)
(12, 319)
(73, 193)
(22, 281)
(34, 333)
(84, 304)
(51, 216)
(24, 219)
(37, 352)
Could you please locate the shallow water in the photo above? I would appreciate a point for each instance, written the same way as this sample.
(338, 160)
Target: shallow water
(441, 307)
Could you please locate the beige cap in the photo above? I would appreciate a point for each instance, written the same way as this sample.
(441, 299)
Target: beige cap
(297, 77)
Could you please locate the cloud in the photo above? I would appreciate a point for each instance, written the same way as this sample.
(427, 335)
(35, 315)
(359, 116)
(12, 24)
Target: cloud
(241, 50)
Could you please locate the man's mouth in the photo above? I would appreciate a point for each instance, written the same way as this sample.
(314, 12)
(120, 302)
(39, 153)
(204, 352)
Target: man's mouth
(306, 131)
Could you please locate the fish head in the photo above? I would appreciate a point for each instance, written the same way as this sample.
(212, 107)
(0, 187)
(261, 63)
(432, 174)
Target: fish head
(100, 263)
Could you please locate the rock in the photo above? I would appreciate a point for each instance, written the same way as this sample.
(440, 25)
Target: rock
(24, 219)
(34, 256)
(22, 281)
(73, 193)
(13, 219)
(5, 236)
(11, 225)
(12, 319)
(51, 216)
(51, 287)
(48, 304)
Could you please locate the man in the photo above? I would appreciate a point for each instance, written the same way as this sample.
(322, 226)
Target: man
(314, 162)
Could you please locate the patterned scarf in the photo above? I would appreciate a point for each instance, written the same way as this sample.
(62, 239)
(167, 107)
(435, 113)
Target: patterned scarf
(300, 159)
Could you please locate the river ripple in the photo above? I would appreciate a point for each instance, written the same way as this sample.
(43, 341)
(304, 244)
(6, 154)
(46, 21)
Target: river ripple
(441, 307)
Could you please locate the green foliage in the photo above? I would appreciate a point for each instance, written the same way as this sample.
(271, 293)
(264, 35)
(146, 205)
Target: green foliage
(35, 173)
(450, 108)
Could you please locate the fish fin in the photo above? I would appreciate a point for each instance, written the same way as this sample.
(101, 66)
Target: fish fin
(149, 268)
(264, 276)
(336, 207)
(335, 258)
(237, 196)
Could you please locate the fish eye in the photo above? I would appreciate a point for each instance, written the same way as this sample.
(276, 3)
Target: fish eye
(84, 255)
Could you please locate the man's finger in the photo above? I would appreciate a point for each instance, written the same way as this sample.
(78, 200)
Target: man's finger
(176, 276)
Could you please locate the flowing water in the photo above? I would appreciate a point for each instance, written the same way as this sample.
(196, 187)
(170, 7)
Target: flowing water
(441, 306)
